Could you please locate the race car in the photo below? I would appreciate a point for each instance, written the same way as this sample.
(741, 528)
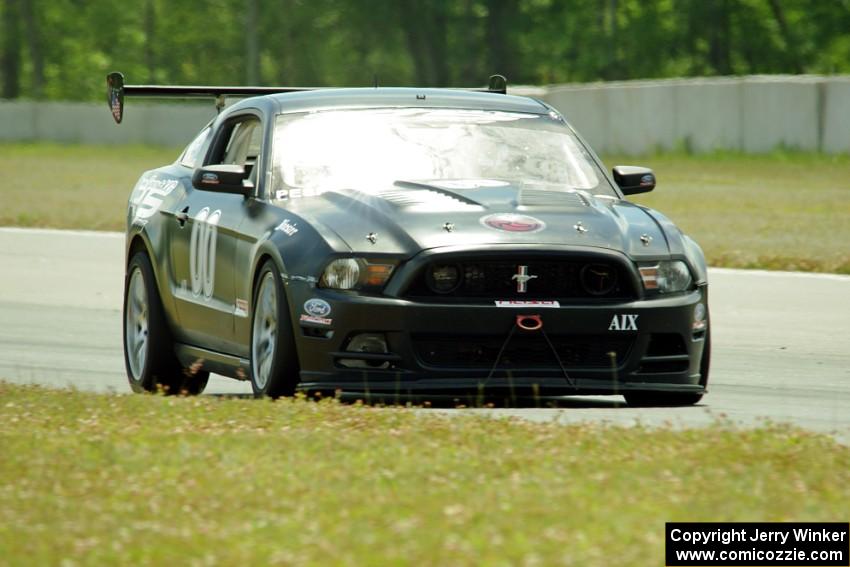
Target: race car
(405, 242)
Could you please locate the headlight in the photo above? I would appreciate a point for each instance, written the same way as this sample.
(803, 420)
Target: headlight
(341, 274)
(356, 273)
(666, 277)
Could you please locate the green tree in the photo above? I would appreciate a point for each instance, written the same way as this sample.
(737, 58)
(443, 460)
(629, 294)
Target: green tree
(10, 62)
(63, 48)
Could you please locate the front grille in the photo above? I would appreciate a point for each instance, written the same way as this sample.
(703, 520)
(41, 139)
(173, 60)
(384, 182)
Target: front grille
(549, 279)
(522, 351)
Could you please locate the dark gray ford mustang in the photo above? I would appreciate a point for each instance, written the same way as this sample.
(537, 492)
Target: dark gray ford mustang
(405, 241)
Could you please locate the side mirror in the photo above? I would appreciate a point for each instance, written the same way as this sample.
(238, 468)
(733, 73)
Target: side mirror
(224, 178)
(633, 179)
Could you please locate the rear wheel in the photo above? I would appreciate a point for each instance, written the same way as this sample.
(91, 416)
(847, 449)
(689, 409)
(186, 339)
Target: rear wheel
(148, 349)
(673, 399)
(274, 361)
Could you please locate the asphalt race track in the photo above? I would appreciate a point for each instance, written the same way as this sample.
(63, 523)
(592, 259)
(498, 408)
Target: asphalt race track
(781, 341)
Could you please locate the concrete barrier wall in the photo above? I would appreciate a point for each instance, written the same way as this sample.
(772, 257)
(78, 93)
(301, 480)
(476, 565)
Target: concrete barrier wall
(751, 114)
(165, 124)
(835, 123)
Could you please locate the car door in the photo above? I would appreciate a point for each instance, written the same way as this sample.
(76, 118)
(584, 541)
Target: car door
(205, 240)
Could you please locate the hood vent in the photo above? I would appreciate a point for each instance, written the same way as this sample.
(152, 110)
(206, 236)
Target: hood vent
(530, 197)
(420, 197)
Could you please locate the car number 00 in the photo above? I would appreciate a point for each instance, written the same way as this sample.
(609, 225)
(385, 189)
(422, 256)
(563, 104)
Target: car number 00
(202, 251)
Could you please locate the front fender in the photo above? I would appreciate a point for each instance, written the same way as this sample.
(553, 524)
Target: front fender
(682, 246)
(696, 258)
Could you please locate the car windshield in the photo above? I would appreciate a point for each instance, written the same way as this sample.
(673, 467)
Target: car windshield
(370, 149)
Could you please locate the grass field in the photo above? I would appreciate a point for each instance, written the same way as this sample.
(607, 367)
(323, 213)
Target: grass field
(126, 479)
(779, 211)
(58, 186)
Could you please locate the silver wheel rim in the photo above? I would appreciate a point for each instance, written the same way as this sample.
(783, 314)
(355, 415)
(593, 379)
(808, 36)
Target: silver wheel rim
(264, 334)
(136, 323)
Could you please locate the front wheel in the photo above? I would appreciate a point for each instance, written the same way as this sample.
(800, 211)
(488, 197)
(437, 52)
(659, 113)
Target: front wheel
(661, 399)
(148, 349)
(274, 362)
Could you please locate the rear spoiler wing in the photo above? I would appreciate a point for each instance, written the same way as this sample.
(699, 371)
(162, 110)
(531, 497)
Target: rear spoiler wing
(116, 90)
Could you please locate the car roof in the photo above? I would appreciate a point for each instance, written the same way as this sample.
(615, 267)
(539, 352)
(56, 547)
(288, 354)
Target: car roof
(324, 99)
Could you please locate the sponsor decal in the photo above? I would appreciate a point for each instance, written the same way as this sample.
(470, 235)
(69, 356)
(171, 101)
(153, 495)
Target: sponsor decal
(312, 280)
(287, 228)
(625, 322)
(209, 179)
(241, 308)
(202, 252)
(314, 319)
(317, 307)
(511, 222)
(532, 303)
(522, 278)
(148, 195)
(297, 193)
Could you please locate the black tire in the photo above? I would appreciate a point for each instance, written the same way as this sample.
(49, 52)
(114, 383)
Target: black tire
(675, 399)
(274, 360)
(661, 399)
(148, 347)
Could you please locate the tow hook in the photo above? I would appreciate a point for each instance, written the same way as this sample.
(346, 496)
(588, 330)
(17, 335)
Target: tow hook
(529, 322)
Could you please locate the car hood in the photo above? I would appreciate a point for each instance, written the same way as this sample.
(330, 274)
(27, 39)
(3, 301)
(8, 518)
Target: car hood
(408, 217)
